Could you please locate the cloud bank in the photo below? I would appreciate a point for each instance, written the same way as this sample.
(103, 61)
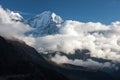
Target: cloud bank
(103, 41)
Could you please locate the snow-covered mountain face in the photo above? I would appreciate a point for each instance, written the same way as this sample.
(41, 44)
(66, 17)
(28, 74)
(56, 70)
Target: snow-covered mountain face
(45, 23)
(7, 16)
(14, 16)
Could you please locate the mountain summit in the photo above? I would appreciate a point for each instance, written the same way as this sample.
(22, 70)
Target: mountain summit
(44, 19)
(45, 23)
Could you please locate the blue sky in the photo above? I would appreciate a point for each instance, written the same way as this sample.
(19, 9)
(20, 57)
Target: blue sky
(104, 11)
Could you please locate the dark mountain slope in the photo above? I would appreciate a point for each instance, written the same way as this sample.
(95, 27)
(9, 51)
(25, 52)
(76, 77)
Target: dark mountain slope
(20, 62)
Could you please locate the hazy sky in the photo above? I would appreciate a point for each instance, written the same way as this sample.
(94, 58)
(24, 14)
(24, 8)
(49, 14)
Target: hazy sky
(105, 11)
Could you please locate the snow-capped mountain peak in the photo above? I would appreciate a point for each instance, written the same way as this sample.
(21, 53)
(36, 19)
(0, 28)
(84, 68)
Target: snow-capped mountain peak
(56, 18)
(45, 23)
(8, 16)
(44, 19)
(14, 16)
